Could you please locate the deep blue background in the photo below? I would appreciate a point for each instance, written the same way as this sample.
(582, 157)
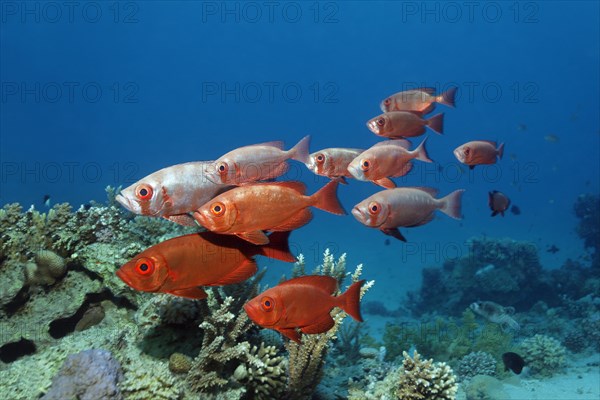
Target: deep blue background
(525, 70)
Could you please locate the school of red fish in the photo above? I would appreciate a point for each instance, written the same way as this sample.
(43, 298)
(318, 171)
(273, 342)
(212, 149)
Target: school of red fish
(243, 212)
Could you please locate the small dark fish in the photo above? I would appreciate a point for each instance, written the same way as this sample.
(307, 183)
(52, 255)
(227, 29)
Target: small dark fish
(515, 210)
(498, 202)
(553, 249)
(522, 127)
(87, 206)
(386, 242)
(513, 361)
(46, 200)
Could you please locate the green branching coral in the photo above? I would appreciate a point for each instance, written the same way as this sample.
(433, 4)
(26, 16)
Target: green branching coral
(306, 360)
(543, 354)
(425, 380)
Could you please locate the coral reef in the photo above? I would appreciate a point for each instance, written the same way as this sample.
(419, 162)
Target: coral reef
(425, 380)
(476, 363)
(504, 271)
(88, 375)
(543, 355)
(265, 373)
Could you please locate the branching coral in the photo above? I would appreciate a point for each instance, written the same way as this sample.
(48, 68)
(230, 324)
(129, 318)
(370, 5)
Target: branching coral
(425, 380)
(543, 354)
(264, 375)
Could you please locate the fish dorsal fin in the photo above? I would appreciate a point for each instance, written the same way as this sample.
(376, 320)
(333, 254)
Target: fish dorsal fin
(254, 237)
(246, 270)
(297, 220)
(321, 326)
(431, 191)
(428, 90)
(275, 143)
(323, 282)
(189, 293)
(394, 142)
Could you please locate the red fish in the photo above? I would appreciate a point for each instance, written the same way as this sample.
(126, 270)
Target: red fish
(387, 159)
(259, 162)
(248, 210)
(333, 162)
(498, 202)
(171, 192)
(478, 152)
(397, 124)
(405, 207)
(303, 303)
(419, 100)
(179, 265)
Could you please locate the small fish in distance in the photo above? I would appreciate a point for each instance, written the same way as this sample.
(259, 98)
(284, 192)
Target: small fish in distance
(479, 152)
(303, 304)
(553, 249)
(498, 202)
(515, 210)
(513, 361)
(420, 100)
(46, 200)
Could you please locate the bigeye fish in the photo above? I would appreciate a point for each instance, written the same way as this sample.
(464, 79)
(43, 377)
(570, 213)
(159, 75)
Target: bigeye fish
(258, 162)
(479, 152)
(247, 211)
(405, 207)
(421, 100)
(172, 192)
(333, 162)
(387, 159)
(179, 265)
(498, 202)
(397, 124)
(303, 304)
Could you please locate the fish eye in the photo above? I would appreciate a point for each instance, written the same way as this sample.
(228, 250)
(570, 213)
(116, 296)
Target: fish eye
(387, 102)
(374, 208)
(381, 122)
(217, 209)
(222, 167)
(320, 158)
(364, 165)
(467, 151)
(143, 191)
(267, 303)
(144, 266)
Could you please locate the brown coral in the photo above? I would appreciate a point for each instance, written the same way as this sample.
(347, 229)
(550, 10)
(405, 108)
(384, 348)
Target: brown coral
(46, 269)
(180, 363)
(264, 375)
(425, 380)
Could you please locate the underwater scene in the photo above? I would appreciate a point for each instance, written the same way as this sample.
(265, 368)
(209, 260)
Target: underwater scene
(299, 200)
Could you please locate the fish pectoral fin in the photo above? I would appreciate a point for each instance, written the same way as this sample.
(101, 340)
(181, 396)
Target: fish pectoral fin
(290, 333)
(406, 168)
(297, 220)
(182, 219)
(246, 270)
(254, 237)
(394, 232)
(190, 293)
(471, 167)
(385, 182)
(321, 326)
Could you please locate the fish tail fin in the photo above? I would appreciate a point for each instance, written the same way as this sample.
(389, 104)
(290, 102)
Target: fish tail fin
(326, 199)
(436, 123)
(500, 150)
(278, 247)
(349, 301)
(451, 204)
(300, 152)
(447, 97)
(421, 152)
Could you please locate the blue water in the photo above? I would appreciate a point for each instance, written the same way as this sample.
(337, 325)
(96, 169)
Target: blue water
(105, 93)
